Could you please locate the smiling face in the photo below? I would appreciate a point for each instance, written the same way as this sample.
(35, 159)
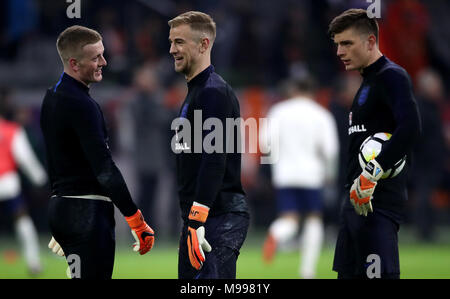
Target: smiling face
(354, 48)
(189, 50)
(89, 66)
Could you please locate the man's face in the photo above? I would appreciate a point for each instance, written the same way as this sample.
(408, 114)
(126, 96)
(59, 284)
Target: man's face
(185, 45)
(352, 49)
(91, 64)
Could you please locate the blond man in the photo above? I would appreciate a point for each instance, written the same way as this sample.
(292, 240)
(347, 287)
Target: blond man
(85, 182)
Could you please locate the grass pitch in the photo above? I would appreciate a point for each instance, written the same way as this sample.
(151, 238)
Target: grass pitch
(417, 260)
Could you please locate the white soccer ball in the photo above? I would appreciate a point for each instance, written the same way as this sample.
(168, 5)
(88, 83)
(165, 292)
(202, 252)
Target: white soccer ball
(371, 148)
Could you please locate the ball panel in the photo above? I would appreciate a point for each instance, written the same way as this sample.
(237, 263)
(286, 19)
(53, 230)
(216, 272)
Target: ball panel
(371, 148)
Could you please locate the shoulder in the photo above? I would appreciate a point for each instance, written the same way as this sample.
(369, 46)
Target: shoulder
(216, 85)
(391, 74)
(216, 89)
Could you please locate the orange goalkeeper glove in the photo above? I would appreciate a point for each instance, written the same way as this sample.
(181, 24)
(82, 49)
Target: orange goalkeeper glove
(196, 241)
(363, 187)
(144, 235)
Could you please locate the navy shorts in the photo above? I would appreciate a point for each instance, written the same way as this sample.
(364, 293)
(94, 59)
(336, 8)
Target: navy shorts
(226, 234)
(10, 207)
(85, 229)
(360, 237)
(299, 200)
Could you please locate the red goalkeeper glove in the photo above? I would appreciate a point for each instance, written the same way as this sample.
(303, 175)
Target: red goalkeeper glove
(363, 187)
(196, 241)
(144, 235)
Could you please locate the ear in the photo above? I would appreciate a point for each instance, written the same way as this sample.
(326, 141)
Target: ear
(73, 64)
(204, 45)
(372, 42)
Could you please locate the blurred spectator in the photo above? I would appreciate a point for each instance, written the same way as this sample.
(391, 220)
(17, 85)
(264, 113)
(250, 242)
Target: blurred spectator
(404, 30)
(439, 37)
(142, 130)
(21, 20)
(15, 153)
(427, 167)
(115, 43)
(302, 137)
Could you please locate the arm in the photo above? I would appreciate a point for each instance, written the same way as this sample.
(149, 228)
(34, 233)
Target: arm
(400, 99)
(212, 167)
(87, 121)
(330, 148)
(209, 181)
(26, 159)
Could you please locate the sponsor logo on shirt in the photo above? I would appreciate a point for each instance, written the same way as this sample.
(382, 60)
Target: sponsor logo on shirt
(356, 128)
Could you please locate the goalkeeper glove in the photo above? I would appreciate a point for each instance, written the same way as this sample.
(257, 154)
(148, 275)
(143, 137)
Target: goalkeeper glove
(363, 187)
(55, 247)
(196, 241)
(142, 233)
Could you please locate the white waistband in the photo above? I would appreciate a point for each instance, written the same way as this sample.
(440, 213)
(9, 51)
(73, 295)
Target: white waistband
(90, 196)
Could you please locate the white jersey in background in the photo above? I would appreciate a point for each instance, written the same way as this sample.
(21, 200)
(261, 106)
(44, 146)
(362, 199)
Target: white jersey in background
(308, 143)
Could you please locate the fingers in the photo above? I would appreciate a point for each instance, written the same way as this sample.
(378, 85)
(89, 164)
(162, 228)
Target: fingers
(206, 247)
(137, 244)
(196, 257)
(55, 247)
(144, 240)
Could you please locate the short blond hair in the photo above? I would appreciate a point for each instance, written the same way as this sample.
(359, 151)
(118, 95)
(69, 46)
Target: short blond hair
(71, 41)
(198, 21)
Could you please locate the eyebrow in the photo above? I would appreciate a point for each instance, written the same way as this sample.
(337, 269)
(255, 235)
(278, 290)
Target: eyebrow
(344, 42)
(98, 55)
(176, 39)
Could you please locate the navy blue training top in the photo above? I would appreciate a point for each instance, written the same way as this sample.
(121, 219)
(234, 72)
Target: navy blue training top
(384, 103)
(210, 178)
(78, 157)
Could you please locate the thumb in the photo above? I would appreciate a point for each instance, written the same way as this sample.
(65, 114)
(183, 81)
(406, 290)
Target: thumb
(137, 244)
(206, 246)
(201, 239)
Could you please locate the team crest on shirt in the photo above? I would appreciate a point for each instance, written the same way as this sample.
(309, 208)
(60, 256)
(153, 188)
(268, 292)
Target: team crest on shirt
(363, 95)
(350, 115)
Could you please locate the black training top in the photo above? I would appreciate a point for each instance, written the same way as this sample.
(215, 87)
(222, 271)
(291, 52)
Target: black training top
(78, 157)
(210, 178)
(384, 103)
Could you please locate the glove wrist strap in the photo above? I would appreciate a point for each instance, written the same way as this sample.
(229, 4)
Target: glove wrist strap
(373, 170)
(135, 220)
(198, 215)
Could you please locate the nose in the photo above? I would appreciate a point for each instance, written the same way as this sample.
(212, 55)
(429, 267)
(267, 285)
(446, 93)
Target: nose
(172, 49)
(340, 51)
(103, 61)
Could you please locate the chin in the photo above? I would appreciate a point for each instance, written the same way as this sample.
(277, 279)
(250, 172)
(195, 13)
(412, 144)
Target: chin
(97, 78)
(179, 69)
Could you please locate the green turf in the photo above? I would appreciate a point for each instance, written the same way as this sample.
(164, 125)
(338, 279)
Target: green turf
(416, 260)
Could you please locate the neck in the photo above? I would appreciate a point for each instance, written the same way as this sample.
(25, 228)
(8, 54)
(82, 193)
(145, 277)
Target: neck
(374, 57)
(74, 75)
(200, 68)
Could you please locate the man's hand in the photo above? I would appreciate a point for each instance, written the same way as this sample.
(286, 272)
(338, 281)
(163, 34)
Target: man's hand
(144, 235)
(196, 241)
(363, 187)
(55, 247)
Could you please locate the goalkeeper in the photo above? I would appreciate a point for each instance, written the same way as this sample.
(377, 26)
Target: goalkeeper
(213, 203)
(85, 182)
(384, 103)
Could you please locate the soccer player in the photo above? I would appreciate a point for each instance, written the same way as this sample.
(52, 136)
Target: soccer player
(16, 153)
(385, 102)
(85, 182)
(213, 203)
(308, 147)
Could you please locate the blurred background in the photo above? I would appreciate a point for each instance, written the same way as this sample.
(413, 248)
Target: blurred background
(259, 45)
